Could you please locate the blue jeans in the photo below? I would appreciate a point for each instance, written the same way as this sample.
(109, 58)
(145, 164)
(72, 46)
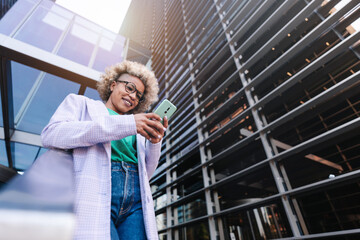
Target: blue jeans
(127, 220)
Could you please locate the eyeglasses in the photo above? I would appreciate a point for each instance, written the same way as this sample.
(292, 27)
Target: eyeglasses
(131, 88)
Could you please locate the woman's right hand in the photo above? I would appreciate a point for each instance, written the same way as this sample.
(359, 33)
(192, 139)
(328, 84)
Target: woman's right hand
(149, 125)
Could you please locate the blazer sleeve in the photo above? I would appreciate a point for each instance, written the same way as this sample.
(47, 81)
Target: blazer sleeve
(66, 130)
(152, 156)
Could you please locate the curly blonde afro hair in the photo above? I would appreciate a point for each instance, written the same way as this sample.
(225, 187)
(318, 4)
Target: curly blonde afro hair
(135, 69)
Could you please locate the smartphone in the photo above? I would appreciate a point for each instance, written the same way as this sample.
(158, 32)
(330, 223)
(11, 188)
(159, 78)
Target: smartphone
(166, 108)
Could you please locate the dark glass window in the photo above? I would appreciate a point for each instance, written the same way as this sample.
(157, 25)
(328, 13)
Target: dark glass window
(92, 93)
(266, 222)
(42, 150)
(160, 183)
(24, 155)
(190, 185)
(194, 209)
(45, 101)
(1, 114)
(250, 188)
(335, 209)
(328, 162)
(3, 157)
(187, 165)
(23, 80)
(241, 159)
(195, 231)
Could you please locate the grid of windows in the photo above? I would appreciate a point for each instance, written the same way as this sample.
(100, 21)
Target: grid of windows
(265, 143)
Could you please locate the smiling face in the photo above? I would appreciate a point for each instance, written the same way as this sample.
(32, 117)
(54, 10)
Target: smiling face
(122, 101)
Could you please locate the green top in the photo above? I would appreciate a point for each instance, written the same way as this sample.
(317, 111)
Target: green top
(123, 149)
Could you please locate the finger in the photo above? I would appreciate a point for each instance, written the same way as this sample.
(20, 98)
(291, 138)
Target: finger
(152, 132)
(165, 122)
(145, 135)
(153, 116)
(157, 126)
(154, 140)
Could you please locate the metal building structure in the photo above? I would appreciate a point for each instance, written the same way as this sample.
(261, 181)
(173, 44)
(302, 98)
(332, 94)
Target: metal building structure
(265, 143)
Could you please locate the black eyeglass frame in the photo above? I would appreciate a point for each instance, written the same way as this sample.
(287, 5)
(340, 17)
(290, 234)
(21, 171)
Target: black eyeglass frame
(139, 96)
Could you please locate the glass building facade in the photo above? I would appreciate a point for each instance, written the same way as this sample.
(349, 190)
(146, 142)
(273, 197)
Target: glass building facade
(265, 142)
(5, 6)
(47, 52)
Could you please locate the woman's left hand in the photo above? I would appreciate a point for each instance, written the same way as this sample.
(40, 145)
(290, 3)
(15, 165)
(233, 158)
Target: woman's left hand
(161, 133)
(149, 125)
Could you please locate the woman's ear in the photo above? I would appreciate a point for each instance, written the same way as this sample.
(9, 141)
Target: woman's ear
(112, 86)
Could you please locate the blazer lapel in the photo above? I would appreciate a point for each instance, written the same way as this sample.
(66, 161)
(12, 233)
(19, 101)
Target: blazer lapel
(97, 109)
(140, 144)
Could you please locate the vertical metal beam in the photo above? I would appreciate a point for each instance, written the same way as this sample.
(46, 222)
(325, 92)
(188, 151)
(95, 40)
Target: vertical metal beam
(169, 216)
(126, 48)
(265, 142)
(7, 108)
(175, 211)
(204, 155)
(82, 89)
(251, 226)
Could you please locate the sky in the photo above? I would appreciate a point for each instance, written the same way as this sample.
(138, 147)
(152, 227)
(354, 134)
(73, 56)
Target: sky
(107, 13)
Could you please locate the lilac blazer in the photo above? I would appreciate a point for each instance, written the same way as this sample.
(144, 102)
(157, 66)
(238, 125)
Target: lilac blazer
(85, 125)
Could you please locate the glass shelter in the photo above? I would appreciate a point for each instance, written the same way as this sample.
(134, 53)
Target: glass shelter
(47, 52)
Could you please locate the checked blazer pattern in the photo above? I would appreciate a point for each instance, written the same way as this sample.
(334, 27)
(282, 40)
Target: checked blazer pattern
(84, 125)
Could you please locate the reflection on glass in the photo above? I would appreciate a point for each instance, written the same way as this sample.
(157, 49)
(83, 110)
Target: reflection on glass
(160, 202)
(160, 183)
(191, 210)
(42, 151)
(23, 79)
(163, 236)
(161, 221)
(333, 209)
(3, 157)
(79, 44)
(24, 155)
(92, 93)
(323, 163)
(110, 51)
(1, 116)
(259, 223)
(250, 188)
(49, 27)
(195, 231)
(50, 94)
(250, 155)
(95, 29)
(14, 16)
(58, 9)
(189, 186)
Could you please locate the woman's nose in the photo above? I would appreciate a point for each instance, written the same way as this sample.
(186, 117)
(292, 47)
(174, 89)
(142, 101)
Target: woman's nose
(133, 96)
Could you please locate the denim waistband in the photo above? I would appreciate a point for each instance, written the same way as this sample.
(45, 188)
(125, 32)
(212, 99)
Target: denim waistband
(125, 165)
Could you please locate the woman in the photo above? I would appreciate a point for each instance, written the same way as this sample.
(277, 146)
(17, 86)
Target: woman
(116, 149)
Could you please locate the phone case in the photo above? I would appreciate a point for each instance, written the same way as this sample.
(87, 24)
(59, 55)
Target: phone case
(166, 108)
